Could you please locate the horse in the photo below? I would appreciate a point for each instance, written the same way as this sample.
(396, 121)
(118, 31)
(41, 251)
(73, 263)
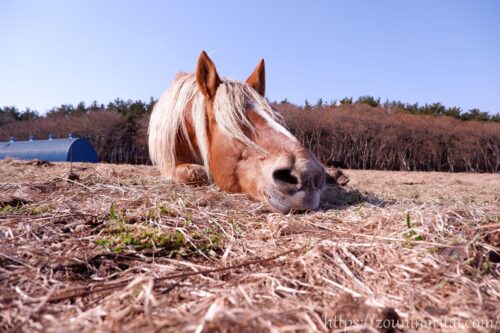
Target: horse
(207, 129)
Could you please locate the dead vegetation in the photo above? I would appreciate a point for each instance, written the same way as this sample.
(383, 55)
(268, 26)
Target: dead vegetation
(116, 249)
(362, 135)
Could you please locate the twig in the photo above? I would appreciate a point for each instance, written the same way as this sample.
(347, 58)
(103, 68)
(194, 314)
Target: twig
(74, 182)
(81, 292)
(15, 260)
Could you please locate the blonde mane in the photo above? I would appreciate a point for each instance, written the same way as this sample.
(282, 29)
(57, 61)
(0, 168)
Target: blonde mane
(168, 119)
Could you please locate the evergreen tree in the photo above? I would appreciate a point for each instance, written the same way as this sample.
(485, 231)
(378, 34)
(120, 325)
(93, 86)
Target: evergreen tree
(307, 105)
(346, 100)
(369, 100)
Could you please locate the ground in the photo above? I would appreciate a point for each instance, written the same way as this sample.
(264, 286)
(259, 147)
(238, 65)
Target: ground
(113, 248)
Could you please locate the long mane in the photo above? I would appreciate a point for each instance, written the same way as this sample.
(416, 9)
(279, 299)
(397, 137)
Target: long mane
(168, 119)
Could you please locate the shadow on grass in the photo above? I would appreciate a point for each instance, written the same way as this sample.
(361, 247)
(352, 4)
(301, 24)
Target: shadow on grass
(340, 197)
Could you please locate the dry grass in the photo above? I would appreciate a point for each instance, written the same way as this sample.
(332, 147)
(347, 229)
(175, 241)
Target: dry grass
(116, 249)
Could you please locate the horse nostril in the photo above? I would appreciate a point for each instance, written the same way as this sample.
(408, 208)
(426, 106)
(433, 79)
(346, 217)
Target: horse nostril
(285, 176)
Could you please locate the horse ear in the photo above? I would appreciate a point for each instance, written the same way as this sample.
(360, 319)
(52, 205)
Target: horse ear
(257, 79)
(206, 75)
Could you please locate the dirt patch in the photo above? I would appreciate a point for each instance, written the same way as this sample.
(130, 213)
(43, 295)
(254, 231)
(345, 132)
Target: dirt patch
(100, 247)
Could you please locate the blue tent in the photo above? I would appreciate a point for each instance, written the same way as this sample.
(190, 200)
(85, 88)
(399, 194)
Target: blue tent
(52, 150)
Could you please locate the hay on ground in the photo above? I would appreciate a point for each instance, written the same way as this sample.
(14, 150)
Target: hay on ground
(102, 248)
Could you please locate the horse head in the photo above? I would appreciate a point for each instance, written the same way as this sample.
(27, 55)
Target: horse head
(240, 141)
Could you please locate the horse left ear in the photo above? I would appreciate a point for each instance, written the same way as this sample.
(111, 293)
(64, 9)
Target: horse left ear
(206, 75)
(257, 80)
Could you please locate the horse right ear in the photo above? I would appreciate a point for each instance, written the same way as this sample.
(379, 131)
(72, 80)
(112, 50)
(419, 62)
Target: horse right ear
(206, 76)
(257, 79)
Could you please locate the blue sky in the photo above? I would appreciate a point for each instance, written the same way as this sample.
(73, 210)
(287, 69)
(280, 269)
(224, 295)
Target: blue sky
(57, 52)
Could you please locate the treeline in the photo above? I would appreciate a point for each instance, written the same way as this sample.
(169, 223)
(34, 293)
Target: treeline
(436, 109)
(118, 130)
(361, 134)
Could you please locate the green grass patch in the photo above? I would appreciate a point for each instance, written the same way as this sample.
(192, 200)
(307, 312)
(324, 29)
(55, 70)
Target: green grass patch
(120, 235)
(411, 234)
(11, 206)
(173, 241)
(43, 209)
(9, 209)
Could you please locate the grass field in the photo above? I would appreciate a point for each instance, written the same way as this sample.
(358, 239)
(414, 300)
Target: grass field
(113, 248)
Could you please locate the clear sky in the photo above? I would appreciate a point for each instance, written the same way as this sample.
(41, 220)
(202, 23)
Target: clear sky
(57, 52)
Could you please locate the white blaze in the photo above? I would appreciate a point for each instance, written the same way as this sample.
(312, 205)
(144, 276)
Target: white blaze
(272, 122)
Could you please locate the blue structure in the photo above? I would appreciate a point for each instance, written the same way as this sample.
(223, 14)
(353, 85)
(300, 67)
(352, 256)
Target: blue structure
(52, 150)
